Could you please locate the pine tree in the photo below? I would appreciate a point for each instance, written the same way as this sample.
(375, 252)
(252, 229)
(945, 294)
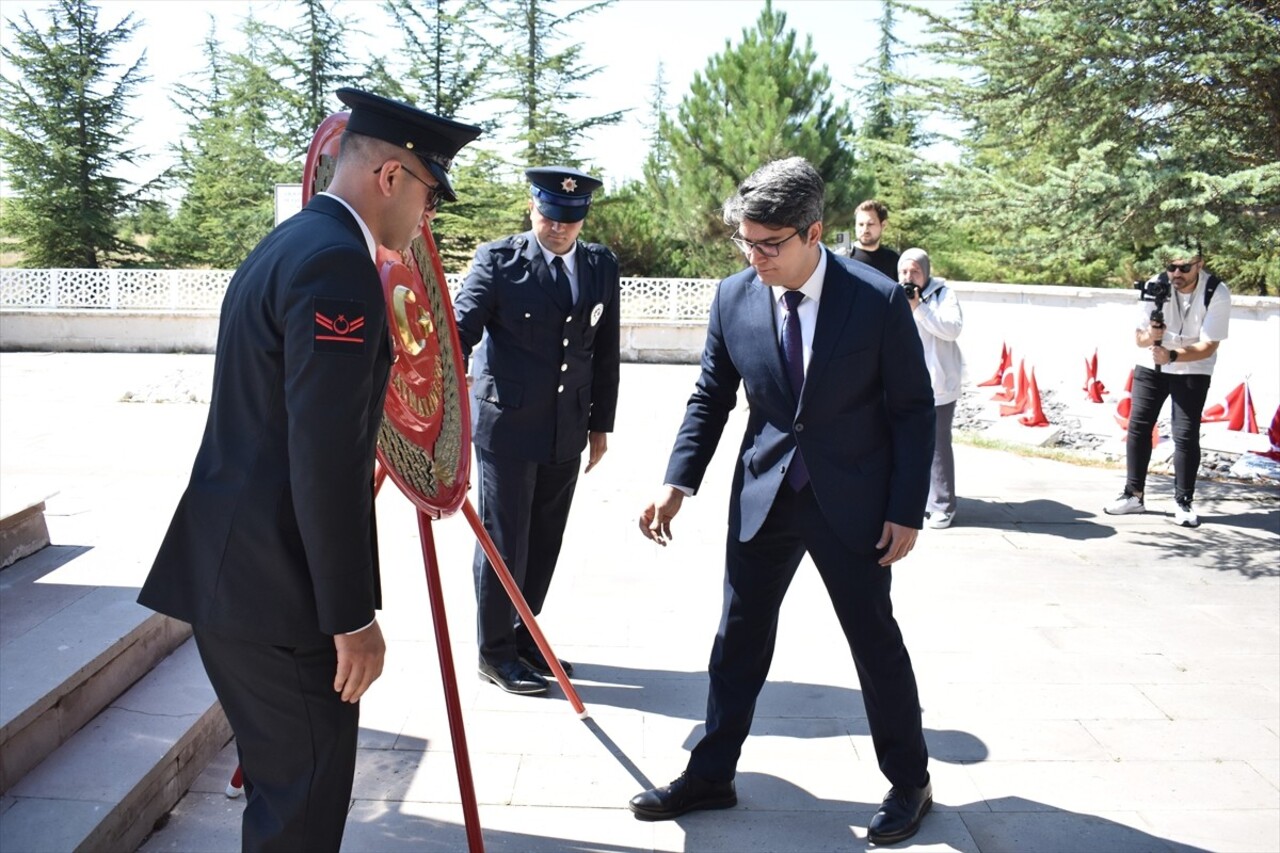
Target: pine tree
(763, 99)
(889, 141)
(307, 66)
(64, 136)
(1101, 131)
(545, 83)
(229, 160)
(443, 62)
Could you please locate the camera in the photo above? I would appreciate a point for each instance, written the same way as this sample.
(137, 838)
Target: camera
(1155, 289)
(912, 291)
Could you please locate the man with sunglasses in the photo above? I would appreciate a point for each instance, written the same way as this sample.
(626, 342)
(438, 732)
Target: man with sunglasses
(540, 310)
(1177, 363)
(835, 463)
(272, 553)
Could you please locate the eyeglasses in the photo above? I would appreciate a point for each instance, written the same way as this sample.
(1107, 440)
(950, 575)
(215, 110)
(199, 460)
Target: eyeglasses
(434, 196)
(1178, 267)
(765, 250)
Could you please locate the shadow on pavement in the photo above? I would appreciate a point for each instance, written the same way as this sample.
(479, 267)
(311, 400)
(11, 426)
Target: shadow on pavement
(776, 812)
(828, 711)
(1041, 515)
(1218, 548)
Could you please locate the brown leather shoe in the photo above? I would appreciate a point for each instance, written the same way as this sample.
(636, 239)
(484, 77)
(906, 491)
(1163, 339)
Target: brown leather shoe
(686, 794)
(900, 814)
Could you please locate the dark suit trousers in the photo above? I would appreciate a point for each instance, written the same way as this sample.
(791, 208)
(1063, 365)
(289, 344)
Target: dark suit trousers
(757, 574)
(296, 738)
(524, 507)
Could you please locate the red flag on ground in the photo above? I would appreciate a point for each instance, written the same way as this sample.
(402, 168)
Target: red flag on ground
(1019, 404)
(1221, 412)
(1243, 416)
(1123, 408)
(1274, 435)
(1006, 361)
(1096, 389)
(1090, 370)
(1035, 411)
(1006, 388)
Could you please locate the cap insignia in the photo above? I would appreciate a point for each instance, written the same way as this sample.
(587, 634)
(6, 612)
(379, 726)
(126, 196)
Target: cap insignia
(568, 185)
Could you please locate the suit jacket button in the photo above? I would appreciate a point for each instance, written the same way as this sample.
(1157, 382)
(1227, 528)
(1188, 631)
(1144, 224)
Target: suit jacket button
(563, 368)
(569, 319)
(560, 390)
(799, 427)
(527, 315)
(566, 341)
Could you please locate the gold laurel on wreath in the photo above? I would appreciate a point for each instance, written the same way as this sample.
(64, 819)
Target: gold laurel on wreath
(449, 442)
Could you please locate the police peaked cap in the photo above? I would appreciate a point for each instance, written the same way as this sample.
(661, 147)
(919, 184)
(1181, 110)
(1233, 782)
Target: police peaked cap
(434, 140)
(561, 193)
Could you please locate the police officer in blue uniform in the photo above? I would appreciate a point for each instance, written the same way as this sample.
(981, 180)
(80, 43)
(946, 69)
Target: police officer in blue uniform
(538, 316)
(272, 554)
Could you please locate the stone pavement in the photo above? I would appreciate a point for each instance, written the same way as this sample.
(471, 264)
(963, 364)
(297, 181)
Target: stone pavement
(1088, 682)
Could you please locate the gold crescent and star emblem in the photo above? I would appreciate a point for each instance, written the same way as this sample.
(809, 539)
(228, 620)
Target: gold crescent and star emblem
(401, 298)
(568, 185)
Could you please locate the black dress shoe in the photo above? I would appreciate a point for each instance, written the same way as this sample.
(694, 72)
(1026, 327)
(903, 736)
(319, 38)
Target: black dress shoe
(513, 677)
(532, 658)
(900, 814)
(686, 794)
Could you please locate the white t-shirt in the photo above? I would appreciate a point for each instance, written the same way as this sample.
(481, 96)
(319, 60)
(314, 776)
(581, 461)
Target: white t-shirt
(1187, 322)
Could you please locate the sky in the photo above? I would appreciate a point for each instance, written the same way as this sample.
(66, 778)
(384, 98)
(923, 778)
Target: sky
(627, 41)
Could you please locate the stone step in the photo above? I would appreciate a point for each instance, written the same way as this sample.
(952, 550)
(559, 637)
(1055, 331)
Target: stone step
(108, 784)
(23, 530)
(69, 649)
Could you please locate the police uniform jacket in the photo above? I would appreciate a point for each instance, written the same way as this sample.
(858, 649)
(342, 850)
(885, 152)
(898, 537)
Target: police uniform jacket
(864, 419)
(543, 375)
(274, 539)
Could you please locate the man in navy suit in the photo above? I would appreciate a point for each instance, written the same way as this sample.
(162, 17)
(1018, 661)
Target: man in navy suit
(545, 386)
(272, 553)
(835, 463)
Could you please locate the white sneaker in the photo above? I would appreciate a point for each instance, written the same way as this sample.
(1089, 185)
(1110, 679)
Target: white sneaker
(1126, 504)
(1185, 516)
(940, 520)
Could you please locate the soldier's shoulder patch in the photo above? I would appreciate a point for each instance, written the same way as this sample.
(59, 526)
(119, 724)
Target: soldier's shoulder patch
(339, 326)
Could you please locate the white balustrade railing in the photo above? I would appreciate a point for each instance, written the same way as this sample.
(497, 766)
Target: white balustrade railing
(643, 299)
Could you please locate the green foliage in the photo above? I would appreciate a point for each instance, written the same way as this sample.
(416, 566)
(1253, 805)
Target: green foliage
(888, 144)
(1101, 131)
(493, 200)
(760, 100)
(542, 84)
(305, 66)
(442, 56)
(628, 222)
(229, 160)
(64, 135)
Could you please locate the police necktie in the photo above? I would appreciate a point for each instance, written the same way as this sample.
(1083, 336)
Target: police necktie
(793, 352)
(564, 291)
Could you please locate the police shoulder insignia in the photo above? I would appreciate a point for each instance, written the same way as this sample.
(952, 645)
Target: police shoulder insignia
(339, 326)
(597, 312)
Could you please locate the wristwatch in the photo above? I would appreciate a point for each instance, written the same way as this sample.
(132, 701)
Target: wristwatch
(1173, 356)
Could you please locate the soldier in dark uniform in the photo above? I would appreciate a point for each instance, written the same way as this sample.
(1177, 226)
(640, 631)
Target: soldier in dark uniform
(272, 553)
(545, 386)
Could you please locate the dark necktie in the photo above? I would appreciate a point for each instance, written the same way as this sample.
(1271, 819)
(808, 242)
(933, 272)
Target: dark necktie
(793, 352)
(564, 291)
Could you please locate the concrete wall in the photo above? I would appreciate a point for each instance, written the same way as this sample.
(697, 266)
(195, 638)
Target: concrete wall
(1053, 328)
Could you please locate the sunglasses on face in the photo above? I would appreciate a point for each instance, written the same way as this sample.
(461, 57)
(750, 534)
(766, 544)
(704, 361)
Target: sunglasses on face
(1178, 267)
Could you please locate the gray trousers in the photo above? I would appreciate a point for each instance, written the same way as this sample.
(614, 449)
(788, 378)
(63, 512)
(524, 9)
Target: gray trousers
(942, 475)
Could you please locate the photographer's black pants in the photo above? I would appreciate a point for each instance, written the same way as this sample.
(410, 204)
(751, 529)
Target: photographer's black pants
(1150, 389)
